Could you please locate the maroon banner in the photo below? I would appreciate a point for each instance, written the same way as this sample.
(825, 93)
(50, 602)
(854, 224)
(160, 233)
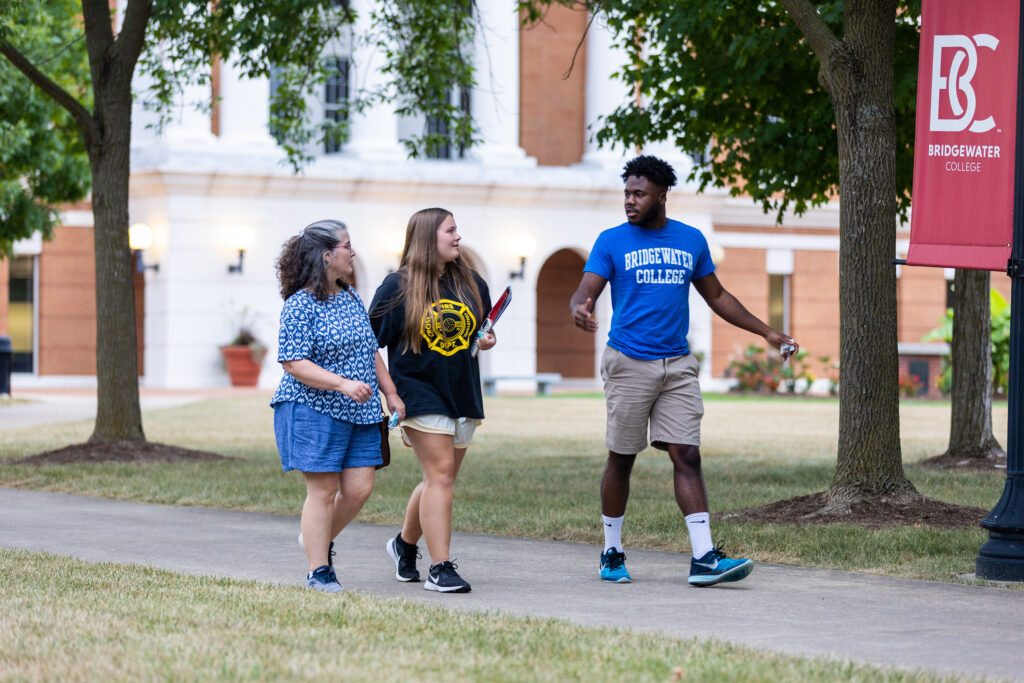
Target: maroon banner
(962, 213)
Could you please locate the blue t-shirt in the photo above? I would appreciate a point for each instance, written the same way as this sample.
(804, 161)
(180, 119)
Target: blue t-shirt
(336, 335)
(650, 272)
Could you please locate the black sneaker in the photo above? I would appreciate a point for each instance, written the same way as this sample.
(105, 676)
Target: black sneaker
(405, 556)
(443, 578)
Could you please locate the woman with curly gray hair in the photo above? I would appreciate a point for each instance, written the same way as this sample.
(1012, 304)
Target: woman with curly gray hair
(327, 407)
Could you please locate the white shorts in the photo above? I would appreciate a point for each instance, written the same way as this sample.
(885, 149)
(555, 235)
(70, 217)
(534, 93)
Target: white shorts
(460, 429)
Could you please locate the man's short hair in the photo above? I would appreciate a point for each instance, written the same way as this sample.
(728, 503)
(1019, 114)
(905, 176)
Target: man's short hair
(654, 169)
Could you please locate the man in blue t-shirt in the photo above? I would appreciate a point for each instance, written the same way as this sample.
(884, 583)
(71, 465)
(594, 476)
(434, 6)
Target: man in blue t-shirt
(649, 376)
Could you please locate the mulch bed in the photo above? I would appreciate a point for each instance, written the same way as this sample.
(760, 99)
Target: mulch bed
(807, 510)
(117, 451)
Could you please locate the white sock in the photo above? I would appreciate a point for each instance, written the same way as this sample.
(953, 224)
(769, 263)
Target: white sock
(612, 532)
(699, 526)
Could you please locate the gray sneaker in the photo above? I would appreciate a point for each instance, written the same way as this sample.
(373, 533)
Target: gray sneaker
(323, 579)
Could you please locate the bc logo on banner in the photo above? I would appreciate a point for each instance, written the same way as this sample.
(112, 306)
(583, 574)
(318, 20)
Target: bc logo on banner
(957, 81)
(965, 135)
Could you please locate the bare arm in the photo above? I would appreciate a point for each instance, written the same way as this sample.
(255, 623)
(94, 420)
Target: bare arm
(582, 303)
(312, 375)
(729, 309)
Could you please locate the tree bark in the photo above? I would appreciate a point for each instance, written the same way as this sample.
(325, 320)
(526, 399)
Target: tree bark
(858, 74)
(970, 428)
(112, 63)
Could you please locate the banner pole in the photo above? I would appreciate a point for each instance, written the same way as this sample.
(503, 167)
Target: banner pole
(1001, 558)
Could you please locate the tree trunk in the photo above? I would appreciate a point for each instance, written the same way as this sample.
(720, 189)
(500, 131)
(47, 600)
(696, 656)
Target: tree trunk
(970, 429)
(859, 78)
(118, 414)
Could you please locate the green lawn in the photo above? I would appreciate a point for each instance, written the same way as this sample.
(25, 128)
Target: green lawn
(72, 621)
(534, 471)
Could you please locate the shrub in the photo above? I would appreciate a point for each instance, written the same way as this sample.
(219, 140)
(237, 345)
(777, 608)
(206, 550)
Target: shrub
(764, 371)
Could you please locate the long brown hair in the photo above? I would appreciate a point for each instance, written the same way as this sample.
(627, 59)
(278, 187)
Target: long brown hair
(423, 271)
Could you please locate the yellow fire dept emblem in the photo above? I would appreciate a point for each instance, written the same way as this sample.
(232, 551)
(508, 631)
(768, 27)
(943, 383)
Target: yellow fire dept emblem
(447, 326)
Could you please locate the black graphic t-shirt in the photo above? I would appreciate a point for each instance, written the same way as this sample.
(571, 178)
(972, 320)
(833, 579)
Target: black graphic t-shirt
(443, 378)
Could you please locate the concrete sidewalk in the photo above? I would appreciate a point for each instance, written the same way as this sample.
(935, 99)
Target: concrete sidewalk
(950, 629)
(48, 406)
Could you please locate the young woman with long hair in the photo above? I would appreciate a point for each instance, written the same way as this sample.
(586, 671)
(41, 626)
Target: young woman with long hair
(427, 315)
(327, 408)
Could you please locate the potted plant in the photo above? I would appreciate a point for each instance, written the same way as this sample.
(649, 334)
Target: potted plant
(243, 358)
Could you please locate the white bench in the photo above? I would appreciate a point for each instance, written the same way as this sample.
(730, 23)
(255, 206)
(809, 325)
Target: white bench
(544, 381)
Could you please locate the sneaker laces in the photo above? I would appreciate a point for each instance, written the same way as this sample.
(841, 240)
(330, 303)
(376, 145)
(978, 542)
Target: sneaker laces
(616, 560)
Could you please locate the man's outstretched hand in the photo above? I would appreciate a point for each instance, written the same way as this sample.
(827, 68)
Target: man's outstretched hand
(583, 316)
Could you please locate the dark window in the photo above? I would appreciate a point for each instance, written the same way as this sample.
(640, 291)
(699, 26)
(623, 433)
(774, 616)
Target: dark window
(437, 126)
(335, 101)
(950, 294)
(919, 369)
(778, 302)
(21, 312)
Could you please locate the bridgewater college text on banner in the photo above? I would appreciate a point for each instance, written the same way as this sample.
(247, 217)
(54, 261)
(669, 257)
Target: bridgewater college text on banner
(962, 213)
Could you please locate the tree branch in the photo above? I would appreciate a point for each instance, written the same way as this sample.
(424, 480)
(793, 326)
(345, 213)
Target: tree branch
(817, 33)
(82, 116)
(133, 31)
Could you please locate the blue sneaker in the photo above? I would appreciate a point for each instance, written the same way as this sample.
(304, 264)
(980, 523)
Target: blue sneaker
(323, 579)
(613, 567)
(715, 567)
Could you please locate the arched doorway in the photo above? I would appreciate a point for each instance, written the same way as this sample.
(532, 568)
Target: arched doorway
(561, 347)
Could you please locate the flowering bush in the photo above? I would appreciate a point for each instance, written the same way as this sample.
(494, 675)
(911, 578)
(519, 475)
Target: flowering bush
(764, 371)
(910, 385)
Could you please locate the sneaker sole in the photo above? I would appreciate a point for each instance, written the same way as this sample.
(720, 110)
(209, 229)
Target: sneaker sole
(621, 579)
(737, 573)
(454, 589)
(325, 588)
(393, 554)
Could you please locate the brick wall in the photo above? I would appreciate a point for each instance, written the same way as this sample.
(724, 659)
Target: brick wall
(67, 304)
(5, 271)
(742, 273)
(552, 109)
(814, 296)
(920, 300)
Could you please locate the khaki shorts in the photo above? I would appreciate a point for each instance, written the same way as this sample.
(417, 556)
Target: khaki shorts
(664, 393)
(460, 429)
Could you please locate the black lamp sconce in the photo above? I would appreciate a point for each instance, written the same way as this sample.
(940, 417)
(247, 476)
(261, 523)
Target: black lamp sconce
(237, 267)
(140, 238)
(521, 273)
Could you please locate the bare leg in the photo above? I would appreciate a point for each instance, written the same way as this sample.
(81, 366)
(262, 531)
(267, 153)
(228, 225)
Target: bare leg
(441, 462)
(411, 527)
(354, 489)
(688, 481)
(615, 484)
(317, 511)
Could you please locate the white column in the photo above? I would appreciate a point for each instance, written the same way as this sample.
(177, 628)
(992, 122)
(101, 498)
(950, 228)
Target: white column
(495, 99)
(603, 93)
(244, 108)
(374, 133)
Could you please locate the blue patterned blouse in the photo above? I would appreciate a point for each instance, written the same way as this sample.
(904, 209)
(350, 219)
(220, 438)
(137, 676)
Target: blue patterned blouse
(336, 335)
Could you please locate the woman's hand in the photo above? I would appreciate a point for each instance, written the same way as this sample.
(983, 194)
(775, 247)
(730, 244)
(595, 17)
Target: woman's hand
(487, 341)
(360, 392)
(395, 405)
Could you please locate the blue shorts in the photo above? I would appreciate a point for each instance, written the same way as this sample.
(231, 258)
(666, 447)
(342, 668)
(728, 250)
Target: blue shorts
(309, 441)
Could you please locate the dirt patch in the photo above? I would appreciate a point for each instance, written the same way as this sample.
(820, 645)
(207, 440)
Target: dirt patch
(117, 451)
(946, 461)
(806, 510)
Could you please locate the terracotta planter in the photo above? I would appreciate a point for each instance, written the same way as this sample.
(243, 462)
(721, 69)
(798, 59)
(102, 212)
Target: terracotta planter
(243, 370)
